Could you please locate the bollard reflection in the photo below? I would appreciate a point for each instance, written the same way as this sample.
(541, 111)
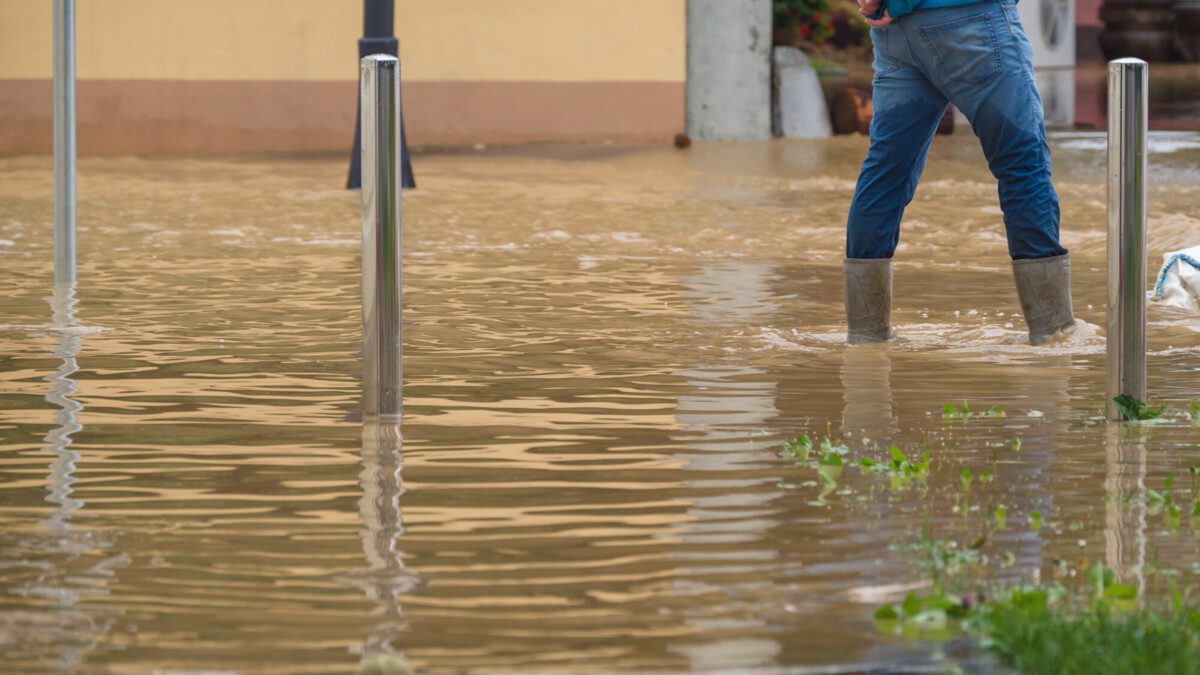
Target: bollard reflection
(1125, 521)
(385, 578)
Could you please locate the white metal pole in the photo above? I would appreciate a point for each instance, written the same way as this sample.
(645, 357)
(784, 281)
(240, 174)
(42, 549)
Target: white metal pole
(381, 217)
(1128, 86)
(64, 141)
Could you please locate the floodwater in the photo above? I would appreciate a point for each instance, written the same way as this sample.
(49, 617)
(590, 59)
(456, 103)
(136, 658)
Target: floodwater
(605, 348)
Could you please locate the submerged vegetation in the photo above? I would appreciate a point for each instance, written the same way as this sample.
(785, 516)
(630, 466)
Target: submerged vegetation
(1083, 616)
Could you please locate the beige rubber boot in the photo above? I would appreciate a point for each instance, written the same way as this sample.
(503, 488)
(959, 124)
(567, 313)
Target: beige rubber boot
(1044, 288)
(868, 286)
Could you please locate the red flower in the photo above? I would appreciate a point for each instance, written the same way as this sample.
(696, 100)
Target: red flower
(806, 32)
(829, 25)
(816, 17)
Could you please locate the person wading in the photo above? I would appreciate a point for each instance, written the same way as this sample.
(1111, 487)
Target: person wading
(975, 55)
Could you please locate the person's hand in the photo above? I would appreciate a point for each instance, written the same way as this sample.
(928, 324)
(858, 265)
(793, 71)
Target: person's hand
(869, 7)
(880, 22)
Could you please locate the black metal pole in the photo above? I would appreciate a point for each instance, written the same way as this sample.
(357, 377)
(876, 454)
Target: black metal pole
(378, 38)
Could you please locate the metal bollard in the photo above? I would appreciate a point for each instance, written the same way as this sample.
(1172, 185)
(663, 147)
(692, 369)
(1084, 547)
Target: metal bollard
(1127, 119)
(380, 88)
(64, 141)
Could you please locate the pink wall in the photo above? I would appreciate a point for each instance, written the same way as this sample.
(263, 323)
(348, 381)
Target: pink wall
(1087, 12)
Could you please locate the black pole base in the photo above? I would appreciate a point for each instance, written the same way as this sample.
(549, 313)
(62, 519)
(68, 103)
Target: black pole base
(366, 47)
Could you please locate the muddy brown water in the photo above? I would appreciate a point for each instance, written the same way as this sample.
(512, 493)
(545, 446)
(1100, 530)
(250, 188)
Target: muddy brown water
(605, 348)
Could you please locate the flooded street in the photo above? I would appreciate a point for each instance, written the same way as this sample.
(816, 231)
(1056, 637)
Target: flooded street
(605, 349)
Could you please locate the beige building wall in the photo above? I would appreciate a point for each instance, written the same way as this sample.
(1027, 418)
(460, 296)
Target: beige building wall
(217, 76)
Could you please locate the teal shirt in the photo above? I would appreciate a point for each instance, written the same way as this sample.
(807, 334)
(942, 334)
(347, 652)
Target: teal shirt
(897, 8)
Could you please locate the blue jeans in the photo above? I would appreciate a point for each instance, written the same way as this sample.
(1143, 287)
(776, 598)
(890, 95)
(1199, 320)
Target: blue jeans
(977, 57)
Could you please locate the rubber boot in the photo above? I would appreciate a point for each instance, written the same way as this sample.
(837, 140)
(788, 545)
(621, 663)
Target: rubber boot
(1044, 288)
(868, 300)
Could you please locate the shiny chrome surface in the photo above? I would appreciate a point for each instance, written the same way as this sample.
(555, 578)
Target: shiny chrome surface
(1128, 84)
(64, 141)
(381, 218)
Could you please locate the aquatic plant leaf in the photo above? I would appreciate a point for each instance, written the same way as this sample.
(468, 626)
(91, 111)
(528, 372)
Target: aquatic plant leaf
(1154, 499)
(797, 448)
(1119, 591)
(898, 457)
(911, 604)
(1137, 410)
(1035, 520)
(887, 613)
(1195, 414)
(1017, 444)
(831, 459)
(1001, 521)
(949, 410)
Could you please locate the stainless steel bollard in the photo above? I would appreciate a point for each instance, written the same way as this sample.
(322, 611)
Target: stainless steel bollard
(382, 372)
(64, 141)
(1127, 119)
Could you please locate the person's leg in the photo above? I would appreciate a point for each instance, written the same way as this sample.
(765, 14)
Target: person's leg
(906, 111)
(981, 60)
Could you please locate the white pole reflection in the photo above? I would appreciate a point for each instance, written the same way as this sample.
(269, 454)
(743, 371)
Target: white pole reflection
(727, 404)
(61, 481)
(385, 579)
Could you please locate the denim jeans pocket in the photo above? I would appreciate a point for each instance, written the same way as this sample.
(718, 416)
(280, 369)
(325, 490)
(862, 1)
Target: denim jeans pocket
(966, 49)
(882, 63)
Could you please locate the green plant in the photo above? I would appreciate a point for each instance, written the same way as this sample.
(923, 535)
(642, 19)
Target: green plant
(812, 19)
(1137, 410)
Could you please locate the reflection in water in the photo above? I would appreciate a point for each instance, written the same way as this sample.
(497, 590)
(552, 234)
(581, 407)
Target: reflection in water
(867, 391)
(593, 493)
(1125, 521)
(724, 406)
(75, 631)
(62, 387)
(385, 578)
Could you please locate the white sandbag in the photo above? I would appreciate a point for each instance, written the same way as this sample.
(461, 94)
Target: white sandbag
(1179, 281)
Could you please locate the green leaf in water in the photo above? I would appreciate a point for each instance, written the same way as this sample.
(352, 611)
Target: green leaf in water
(1017, 444)
(831, 459)
(996, 411)
(966, 479)
(797, 448)
(1001, 520)
(912, 604)
(948, 410)
(827, 480)
(1195, 414)
(887, 613)
(1137, 410)
(1035, 413)
(1035, 520)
